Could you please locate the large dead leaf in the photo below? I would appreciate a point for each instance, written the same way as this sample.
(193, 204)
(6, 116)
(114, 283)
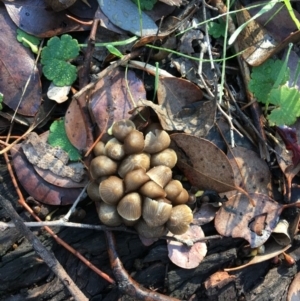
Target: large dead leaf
(111, 101)
(26, 14)
(184, 256)
(203, 163)
(237, 217)
(16, 67)
(294, 289)
(179, 107)
(36, 186)
(250, 171)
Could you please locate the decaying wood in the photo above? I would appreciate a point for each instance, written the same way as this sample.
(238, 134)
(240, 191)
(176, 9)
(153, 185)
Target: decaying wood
(51, 158)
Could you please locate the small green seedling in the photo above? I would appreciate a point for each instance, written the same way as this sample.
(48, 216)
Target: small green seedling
(55, 59)
(1, 101)
(216, 29)
(58, 137)
(113, 50)
(145, 4)
(28, 40)
(268, 85)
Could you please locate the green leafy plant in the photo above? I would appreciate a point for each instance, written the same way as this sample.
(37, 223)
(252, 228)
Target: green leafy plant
(268, 85)
(58, 137)
(28, 40)
(55, 59)
(145, 4)
(216, 29)
(1, 101)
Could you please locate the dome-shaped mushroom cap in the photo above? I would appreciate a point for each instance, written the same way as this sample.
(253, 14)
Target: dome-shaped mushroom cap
(156, 141)
(122, 128)
(180, 219)
(102, 166)
(132, 162)
(130, 206)
(111, 190)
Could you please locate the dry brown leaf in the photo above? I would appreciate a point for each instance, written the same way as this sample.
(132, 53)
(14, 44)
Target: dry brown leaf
(266, 35)
(203, 163)
(184, 256)
(111, 101)
(272, 249)
(237, 216)
(179, 107)
(16, 67)
(36, 186)
(250, 171)
(294, 289)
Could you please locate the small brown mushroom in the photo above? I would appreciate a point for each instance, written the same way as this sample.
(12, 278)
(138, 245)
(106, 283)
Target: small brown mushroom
(108, 214)
(134, 142)
(130, 207)
(150, 232)
(102, 166)
(161, 175)
(111, 190)
(152, 190)
(156, 141)
(180, 219)
(134, 179)
(132, 162)
(166, 157)
(122, 128)
(156, 212)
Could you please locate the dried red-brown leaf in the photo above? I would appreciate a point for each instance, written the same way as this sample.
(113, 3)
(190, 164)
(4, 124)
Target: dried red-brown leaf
(75, 126)
(34, 17)
(16, 67)
(217, 281)
(180, 107)
(36, 186)
(203, 163)
(184, 256)
(294, 289)
(239, 218)
(111, 100)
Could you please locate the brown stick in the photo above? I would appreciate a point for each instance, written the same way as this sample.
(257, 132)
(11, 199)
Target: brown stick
(125, 283)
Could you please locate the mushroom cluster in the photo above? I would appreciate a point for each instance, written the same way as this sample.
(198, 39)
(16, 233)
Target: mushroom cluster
(133, 182)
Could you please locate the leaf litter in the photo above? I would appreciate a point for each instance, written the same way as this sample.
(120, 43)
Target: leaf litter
(180, 108)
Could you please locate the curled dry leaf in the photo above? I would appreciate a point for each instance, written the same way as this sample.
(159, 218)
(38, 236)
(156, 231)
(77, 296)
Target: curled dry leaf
(180, 107)
(294, 289)
(270, 36)
(203, 163)
(16, 67)
(217, 281)
(27, 13)
(239, 218)
(36, 186)
(272, 249)
(111, 101)
(184, 256)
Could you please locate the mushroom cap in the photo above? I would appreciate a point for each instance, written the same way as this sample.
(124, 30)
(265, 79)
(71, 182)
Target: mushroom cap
(182, 198)
(134, 179)
(111, 190)
(167, 157)
(132, 162)
(108, 214)
(134, 142)
(180, 219)
(93, 191)
(144, 230)
(99, 149)
(102, 166)
(114, 149)
(173, 189)
(122, 128)
(152, 190)
(156, 212)
(161, 175)
(156, 141)
(130, 206)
